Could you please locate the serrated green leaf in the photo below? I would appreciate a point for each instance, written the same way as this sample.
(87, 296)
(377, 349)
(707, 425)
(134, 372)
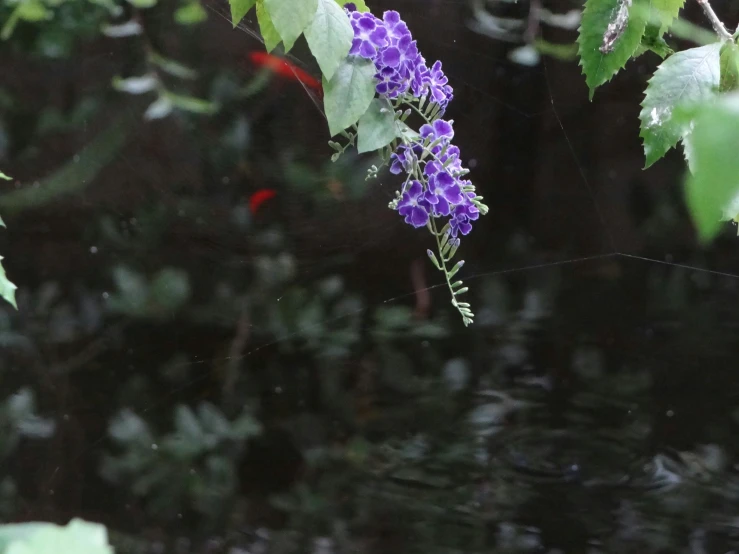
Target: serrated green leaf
(7, 289)
(685, 77)
(661, 13)
(597, 66)
(329, 36)
(290, 18)
(239, 8)
(269, 34)
(712, 190)
(376, 127)
(729, 67)
(349, 93)
(361, 6)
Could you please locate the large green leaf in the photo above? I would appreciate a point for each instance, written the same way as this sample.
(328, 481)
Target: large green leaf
(712, 189)
(7, 289)
(5, 177)
(269, 34)
(329, 36)
(239, 8)
(600, 67)
(376, 127)
(685, 77)
(349, 93)
(290, 18)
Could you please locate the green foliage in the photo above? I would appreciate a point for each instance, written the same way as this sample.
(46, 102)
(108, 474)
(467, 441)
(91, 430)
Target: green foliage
(329, 36)
(191, 13)
(661, 13)
(187, 468)
(76, 174)
(729, 67)
(7, 289)
(376, 127)
(78, 536)
(349, 93)
(599, 67)
(712, 189)
(239, 8)
(166, 293)
(686, 77)
(290, 18)
(266, 27)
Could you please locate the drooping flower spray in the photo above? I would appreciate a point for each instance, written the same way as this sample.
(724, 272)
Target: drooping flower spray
(434, 194)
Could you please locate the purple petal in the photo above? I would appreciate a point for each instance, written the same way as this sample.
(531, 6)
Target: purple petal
(415, 189)
(443, 179)
(443, 128)
(367, 50)
(391, 17)
(391, 57)
(418, 217)
(379, 37)
(367, 23)
(430, 197)
(453, 194)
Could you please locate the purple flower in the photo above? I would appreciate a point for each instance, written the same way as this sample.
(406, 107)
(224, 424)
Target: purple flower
(403, 157)
(438, 129)
(443, 193)
(369, 35)
(409, 207)
(396, 27)
(389, 83)
(350, 7)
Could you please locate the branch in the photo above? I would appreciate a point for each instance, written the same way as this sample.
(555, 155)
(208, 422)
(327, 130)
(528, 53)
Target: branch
(718, 26)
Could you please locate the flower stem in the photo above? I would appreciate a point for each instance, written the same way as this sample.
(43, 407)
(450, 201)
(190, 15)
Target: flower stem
(466, 317)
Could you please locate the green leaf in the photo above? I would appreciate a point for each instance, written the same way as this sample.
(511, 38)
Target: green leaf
(76, 174)
(269, 34)
(600, 67)
(376, 127)
(290, 18)
(329, 36)
(172, 67)
(239, 8)
(2, 223)
(190, 103)
(78, 536)
(7, 289)
(685, 77)
(142, 4)
(661, 13)
(33, 11)
(729, 63)
(361, 6)
(712, 190)
(652, 41)
(191, 13)
(5, 177)
(349, 93)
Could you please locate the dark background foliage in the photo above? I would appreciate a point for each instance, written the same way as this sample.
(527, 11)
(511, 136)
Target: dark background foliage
(202, 378)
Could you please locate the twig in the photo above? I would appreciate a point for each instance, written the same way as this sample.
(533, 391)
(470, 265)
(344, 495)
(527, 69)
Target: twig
(718, 26)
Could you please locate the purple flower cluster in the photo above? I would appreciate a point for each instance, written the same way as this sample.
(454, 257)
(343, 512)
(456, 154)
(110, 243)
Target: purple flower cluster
(446, 193)
(400, 66)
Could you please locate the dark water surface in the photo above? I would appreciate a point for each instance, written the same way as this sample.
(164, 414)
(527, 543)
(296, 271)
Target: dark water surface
(201, 378)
